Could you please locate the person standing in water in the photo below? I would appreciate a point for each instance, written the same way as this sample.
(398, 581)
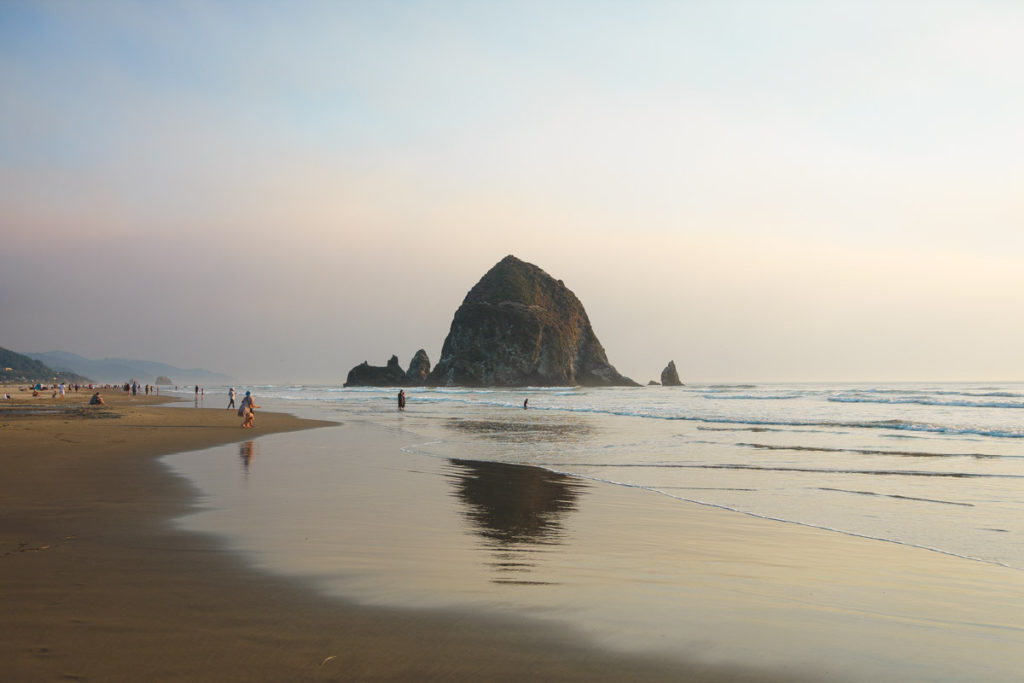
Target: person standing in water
(401, 399)
(526, 404)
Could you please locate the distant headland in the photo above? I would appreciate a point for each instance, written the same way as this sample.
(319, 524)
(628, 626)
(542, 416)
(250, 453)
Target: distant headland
(18, 367)
(122, 369)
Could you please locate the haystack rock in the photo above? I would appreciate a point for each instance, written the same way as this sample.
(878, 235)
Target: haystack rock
(163, 380)
(519, 326)
(669, 376)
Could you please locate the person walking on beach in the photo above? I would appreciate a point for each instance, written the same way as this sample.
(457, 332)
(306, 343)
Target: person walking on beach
(247, 411)
(401, 399)
(231, 395)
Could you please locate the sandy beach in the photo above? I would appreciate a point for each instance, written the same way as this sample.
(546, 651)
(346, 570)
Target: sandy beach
(96, 585)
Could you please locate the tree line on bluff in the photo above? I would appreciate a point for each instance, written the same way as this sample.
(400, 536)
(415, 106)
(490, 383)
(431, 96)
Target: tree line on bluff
(518, 326)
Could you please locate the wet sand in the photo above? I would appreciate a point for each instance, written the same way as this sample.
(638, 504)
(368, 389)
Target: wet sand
(623, 569)
(95, 584)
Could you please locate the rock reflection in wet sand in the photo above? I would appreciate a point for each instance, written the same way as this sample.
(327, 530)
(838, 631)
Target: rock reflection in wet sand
(517, 509)
(526, 430)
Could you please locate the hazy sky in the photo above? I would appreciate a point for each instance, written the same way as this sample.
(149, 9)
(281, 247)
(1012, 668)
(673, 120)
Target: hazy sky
(758, 190)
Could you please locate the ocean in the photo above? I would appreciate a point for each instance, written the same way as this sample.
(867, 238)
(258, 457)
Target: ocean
(937, 467)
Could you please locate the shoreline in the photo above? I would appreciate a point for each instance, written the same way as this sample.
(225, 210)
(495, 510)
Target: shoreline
(613, 568)
(98, 585)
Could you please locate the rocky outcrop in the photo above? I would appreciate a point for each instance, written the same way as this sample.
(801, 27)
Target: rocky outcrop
(366, 375)
(391, 375)
(653, 383)
(669, 376)
(163, 380)
(419, 369)
(518, 326)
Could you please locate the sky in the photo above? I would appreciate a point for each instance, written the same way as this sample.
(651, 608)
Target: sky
(758, 190)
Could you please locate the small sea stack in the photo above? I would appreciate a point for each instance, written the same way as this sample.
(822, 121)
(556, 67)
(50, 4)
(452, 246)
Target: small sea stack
(419, 369)
(391, 375)
(366, 375)
(669, 376)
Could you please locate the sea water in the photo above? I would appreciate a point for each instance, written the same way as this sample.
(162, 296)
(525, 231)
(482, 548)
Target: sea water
(443, 515)
(938, 466)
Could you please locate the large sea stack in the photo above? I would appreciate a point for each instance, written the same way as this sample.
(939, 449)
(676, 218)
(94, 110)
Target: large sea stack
(521, 327)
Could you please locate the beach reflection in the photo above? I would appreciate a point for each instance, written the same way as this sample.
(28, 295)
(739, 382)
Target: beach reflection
(517, 510)
(246, 451)
(526, 430)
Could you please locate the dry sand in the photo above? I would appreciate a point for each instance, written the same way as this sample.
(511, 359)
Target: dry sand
(96, 585)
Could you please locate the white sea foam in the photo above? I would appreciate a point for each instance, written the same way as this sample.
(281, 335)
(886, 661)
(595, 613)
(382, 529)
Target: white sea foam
(927, 401)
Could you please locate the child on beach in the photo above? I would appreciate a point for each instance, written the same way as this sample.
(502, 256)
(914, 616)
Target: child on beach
(248, 411)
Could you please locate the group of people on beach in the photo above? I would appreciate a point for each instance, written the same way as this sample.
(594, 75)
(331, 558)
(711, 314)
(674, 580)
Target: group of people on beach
(60, 390)
(134, 388)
